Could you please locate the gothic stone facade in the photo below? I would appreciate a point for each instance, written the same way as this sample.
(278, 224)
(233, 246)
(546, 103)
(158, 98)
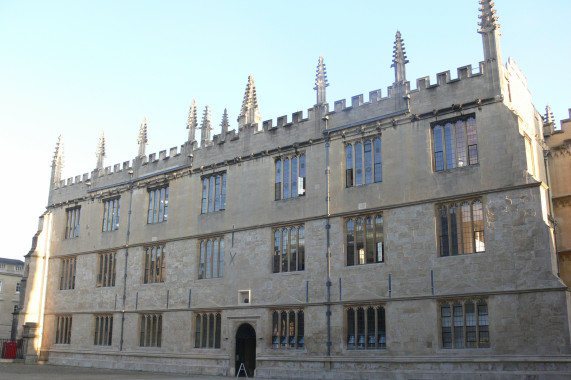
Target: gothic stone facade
(404, 236)
(11, 272)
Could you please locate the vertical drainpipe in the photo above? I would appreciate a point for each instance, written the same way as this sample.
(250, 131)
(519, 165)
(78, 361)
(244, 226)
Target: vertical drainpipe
(327, 230)
(126, 257)
(546, 153)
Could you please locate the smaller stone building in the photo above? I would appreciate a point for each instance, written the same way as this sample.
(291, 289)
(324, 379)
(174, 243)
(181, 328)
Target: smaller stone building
(559, 161)
(11, 272)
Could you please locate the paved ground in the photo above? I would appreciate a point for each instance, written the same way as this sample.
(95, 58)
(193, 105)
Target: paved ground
(17, 371)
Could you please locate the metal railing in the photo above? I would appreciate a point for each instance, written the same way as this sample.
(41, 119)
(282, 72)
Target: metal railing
(12, 349)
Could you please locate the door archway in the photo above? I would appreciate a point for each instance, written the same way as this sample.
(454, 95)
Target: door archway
(246, 349)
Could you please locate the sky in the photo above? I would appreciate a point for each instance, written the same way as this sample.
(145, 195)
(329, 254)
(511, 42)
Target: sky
(83, 68)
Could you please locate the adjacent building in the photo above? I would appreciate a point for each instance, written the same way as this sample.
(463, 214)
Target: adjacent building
(402, 235)
(559, 160)
(11, 272)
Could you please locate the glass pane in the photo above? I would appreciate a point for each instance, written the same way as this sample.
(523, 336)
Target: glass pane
(301, 249)
(378, 162)
(215, 258)
(223, 193)
(209, 259)
(350, 242)
(277, 251)
(286, 178)
(293, 257)
(358, 164)
(221, 264)
(211, 187)
(294, 177)
(467, 228)
(438, 149)
(204, 208)
(449, 145)
(370, 240)
(217, 194)
(461, 143)
(478, 226)
(472, 141)
(470, 325)
(368, 156)
(444, 243)
(278, 183)
(360, 242)
(360, 329)
(446, 326)
(300, 329)
(285, 249)
(379, 239)
(371, 340)
(454, 230)
(350, 329)
(458, 326)
(382, 338)
(349, 165)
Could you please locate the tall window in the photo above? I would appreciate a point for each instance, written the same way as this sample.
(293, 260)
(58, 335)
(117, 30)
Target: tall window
(364, 239)
(464, 324)
(103, 330)
(288, 329)
(106, 269)
(213, 193)
(111, 214)
(72, 225)
(366, 328)
(67, 273)
(290, 177)
(158, 205)
(363, 162)
(455, 143)
(207, 330)
(461, 228)
(151, 330)
(289, 249)
(63, 329)
(155, 264)
(211, 258)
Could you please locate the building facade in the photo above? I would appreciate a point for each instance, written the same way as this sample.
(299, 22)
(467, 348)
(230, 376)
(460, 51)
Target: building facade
(559, 159)
(11, 272)
(402, 236)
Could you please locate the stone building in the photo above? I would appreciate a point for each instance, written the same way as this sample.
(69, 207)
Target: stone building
(559, 161)
(405, 235)
(11, 272)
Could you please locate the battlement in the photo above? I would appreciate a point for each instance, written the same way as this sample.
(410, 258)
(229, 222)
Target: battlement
(228, 145)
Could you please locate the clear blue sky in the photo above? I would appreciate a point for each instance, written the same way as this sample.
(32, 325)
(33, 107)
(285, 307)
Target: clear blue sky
(80, 68)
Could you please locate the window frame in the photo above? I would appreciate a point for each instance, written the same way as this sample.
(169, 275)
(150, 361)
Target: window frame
(282, 263)
(150, 330)
(457, 323)
(287, 332)
(363, 163)
(352, 241)
(103, 330)
(106, 269)
(111, 213)
(457, 144)
(357, 330)
(153, 271)
(158, 205)
(68, 266)
(211, 260)
(451, 237)
(292, 188)
(63, 329)
(73, 218)
(207, 330)
(213, 198)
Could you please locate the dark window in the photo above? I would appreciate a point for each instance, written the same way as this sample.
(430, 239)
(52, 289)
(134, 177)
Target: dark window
(211, 258)
(366, 328)
(158, 205)
(72, 224)
(460, 228)
(290, 177)
(106, 269)
(151, 330)
(207, 330)
(365, 166)
(464, 324)
(455, 143)
(288, 329)
(289, 249)
(63, 329)
(111, 214)
(213, 193)
(67, 273)
(103, 330)
(364, 239)
(155, 264)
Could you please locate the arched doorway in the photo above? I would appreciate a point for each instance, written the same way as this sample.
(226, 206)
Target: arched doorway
(246, 349)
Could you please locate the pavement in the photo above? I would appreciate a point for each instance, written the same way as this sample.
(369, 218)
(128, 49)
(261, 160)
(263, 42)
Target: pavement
(20, 371)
